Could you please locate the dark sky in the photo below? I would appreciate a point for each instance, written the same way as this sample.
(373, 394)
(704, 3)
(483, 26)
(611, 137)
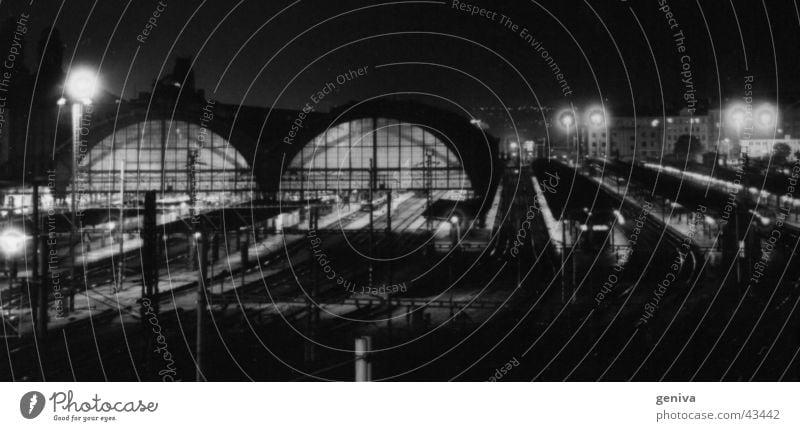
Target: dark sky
(602, 47)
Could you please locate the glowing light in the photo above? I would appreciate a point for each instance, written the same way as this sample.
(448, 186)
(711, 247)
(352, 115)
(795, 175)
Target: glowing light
(82, 84)
(596, 118)
(12, 241)
(766, 116)
(566, 119)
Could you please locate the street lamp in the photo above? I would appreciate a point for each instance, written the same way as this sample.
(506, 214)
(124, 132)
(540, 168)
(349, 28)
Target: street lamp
(11, 242)
(736, 116)
(80, 86)
(567, 119)
(593, 117)
(454, 221)
(766, 117)
(596, 118)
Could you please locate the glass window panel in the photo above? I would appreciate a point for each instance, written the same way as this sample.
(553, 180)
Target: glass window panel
(401, 157)
(220, 166)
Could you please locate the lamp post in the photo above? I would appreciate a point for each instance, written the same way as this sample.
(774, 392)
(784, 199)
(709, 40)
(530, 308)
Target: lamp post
(80, 87)
(121, 264)
(454, 221)
(11, 242)
(201, 245)
(736, 117)
(763, 119)
(567, 121)
(571, 119)
(596, 121)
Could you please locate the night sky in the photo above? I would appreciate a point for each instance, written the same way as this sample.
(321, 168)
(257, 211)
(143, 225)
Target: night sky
(280, 53)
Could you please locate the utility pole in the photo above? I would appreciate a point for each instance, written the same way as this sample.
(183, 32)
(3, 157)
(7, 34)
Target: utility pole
(389, 210)
(150, 247)
(371, 212)
(312, 312)
(40, 270)
(563, 259)
(315, 287)
(121, 264)
(428, 174)
(149, 303)
(201, 245)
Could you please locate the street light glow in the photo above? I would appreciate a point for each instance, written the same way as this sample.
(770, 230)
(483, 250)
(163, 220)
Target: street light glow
(766, 116)
(736, 116)
(82, 84)
(12, 241)
(567, 119)
(596, 118)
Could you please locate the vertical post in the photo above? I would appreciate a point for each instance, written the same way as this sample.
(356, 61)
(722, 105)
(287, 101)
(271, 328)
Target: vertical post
(39, 268)
(77, 117)
(312, 311)
(428, 180)
(150, 247)
(372, 165)
(315, 287)
(363, 366)
(739, 250)
(121, 264)
(201, 245)
(563, 258)
(388, 210)
(35, 199)
(574, 274)
(245, 248)
(44, 289)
